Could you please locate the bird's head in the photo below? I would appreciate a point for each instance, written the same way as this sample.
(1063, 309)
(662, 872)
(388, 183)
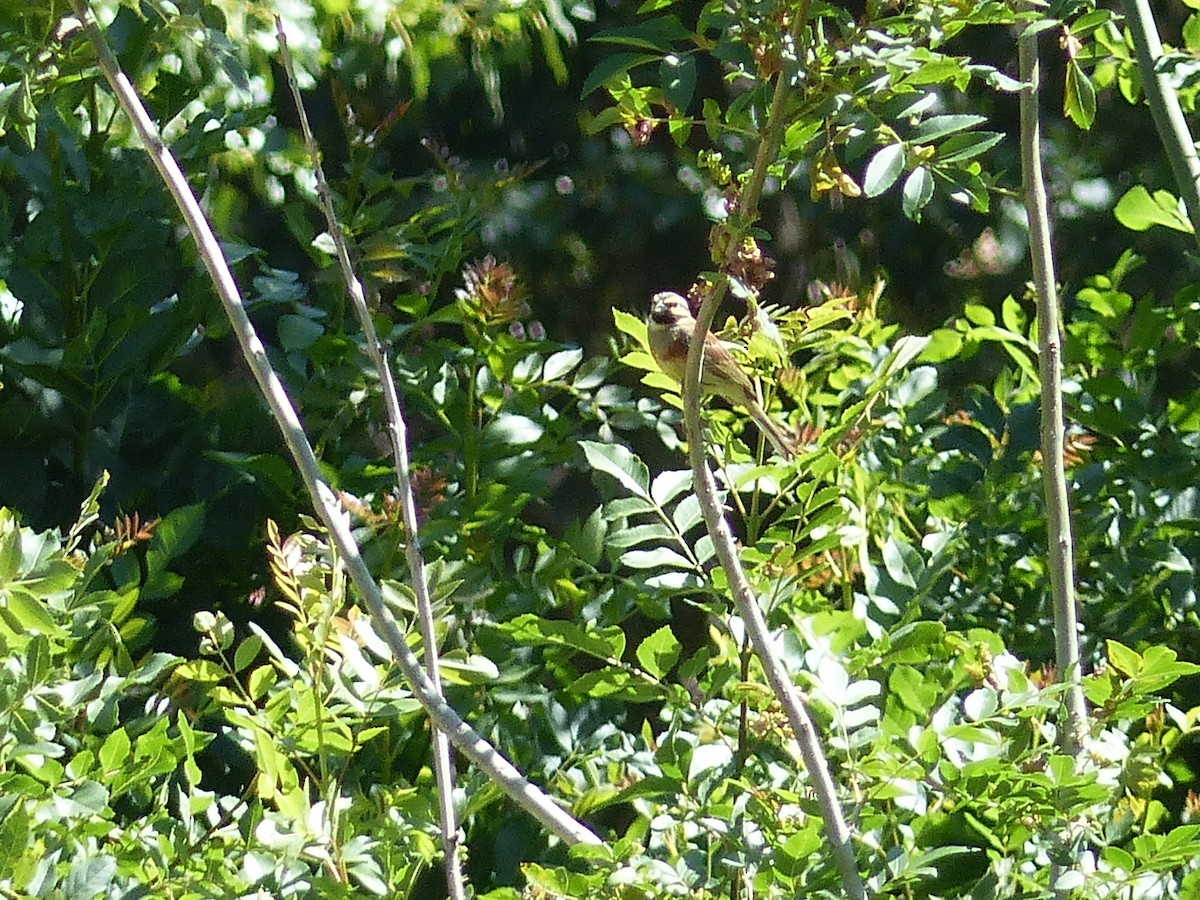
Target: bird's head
(667, 308)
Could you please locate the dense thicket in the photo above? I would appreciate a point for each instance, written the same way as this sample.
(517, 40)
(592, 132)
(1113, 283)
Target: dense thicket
(195, 705)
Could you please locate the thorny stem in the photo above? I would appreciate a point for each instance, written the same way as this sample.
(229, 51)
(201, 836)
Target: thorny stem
(837, 831)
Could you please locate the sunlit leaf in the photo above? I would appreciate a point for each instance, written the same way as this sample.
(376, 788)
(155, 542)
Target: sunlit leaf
(621, 464)
(658, 652)
(1137, 210)
(1079, 96)
(883, 170)
(918, 191)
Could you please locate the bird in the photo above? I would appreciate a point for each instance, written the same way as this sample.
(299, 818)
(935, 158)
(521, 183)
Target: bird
(670, 328)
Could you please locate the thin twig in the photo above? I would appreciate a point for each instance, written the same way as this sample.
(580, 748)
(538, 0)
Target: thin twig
(1058, 513)
(836, 830)
(528, 796)
(443, 766)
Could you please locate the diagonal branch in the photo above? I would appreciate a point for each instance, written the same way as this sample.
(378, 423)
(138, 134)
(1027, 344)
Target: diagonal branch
(1164, 108)
(836, 829)
(528, 796)
(442, 764)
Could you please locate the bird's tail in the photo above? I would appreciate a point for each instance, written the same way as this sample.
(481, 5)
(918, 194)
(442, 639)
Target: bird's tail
(783, 443)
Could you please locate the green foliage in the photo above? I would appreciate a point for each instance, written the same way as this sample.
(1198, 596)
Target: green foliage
(582, 625)
(1138, 210)
(941, 730)
(90, 763)
(866, 85)
(106, 762)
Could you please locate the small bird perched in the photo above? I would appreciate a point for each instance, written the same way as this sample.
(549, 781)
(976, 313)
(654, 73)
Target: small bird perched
(670, 329)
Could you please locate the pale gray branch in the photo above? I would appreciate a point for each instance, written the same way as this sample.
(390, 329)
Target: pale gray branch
(836, 830)
(472, 745)
(443, 765)
(1074, 730)
(1164, 107)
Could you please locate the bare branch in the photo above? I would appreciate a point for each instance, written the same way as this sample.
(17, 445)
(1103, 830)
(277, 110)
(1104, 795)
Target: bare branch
(1058, 512)
(836, 829)
(442, 764)
(471, 743)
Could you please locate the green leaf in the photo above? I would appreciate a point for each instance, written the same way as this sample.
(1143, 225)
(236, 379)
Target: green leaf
(883, 169)
(10, 550)
(619, 462)
(559, 364)
(617, 684)
(247, 651)
(798, 135)
(912, 689)
(1089, 22)
(261, 680)
(962, 147)
(708, 757)
(899, 558)
(918, 191)
(1079, 98)
(712, 118)
(462, 669)
(655, 787)
(653, 559)
(650, 532)
(654, 34)
(944, 344)
(89, 512)
(941, 70)
(978, 314)
(602, 643)
(115, 751)
(27, 613)
(687, 514)
(263, 468)
(1138, 210)
(512, 430)
(1124, 660)
(298, 332)
(632, 325)
(680, 129)
(1191, 33)
(613, 65)
(903, 352)
(90, 876)
(602, 121)
(587, 538)
(175, 533)
(50, 578)
(659, 652)
(940, 126)
(670, 484)
(173, 536)
(677, 75)
(1013, 315)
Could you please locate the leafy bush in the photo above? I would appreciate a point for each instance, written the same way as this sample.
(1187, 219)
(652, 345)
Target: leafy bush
(583, 626)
